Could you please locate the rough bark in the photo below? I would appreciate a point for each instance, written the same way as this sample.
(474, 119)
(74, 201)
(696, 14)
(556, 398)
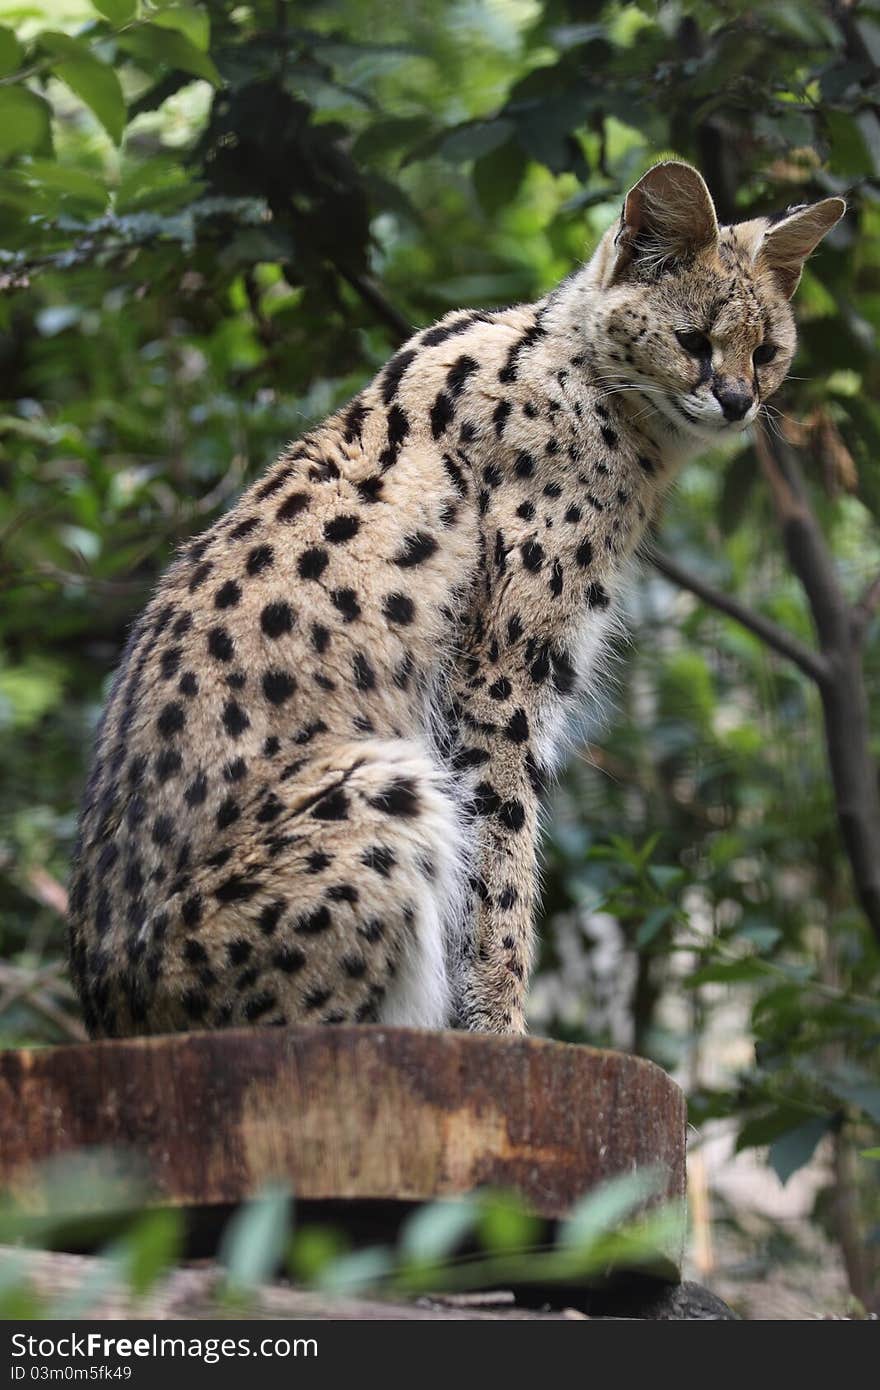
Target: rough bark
(351, 1113)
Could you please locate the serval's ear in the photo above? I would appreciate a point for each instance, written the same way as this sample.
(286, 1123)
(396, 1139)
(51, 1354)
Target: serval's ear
(789, 239)
(667, 216)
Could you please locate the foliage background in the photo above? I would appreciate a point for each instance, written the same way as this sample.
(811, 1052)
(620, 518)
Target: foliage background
(217, 220)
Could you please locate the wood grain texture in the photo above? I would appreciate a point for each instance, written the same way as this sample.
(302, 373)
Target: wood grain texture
(340, 1112)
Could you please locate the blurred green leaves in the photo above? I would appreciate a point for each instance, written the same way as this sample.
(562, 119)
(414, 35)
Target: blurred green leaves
(94, 82)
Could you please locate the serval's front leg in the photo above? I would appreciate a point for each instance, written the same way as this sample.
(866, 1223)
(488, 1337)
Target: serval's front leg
(495, 749)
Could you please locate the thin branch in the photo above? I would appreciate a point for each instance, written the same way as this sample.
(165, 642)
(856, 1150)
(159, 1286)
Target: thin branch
(400, 328)
(776, 637)
(804, 542)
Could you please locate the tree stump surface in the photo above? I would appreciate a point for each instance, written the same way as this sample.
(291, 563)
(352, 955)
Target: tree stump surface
(363, 1113)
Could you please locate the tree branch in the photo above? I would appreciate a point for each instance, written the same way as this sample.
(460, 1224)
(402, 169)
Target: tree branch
(399, 327)
(776, 637)
(844, 697)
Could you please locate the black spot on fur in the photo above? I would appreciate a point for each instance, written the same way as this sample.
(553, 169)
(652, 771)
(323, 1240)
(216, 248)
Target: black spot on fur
(276, 619)
(456, 476)
(341, 528)
(236, 889)
(517, 727)
(199, 576)
(512, 815)
(393, 374)
(271, 915)
(380, 859)
(289, 959)
(399, 608)
(260, 558)
(346, 601)
(235, 719)
(457, 376)
(509, 370)
(442, 414)
(500, 417)
(354, 419)
(274, 484)
(439, 334)
(532, 555)
(398, 429)
(416, 549)
(464, 757)
(312, 563)
(191, 910)
(220, 645)
(169, 663)
(278, 686)
(332, 806)
(369, 488)
(292, 506)
(399, 798)
(171, 719)
(313, 923)
(228, 595)
(228, 814)
(364, 677)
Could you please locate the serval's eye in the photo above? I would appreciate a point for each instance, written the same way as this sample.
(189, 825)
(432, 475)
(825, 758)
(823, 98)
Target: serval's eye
(697, 344)
(764, 354)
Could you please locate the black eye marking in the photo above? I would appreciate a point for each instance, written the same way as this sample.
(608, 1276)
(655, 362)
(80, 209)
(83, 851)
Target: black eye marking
(694, 343)
(764, 354)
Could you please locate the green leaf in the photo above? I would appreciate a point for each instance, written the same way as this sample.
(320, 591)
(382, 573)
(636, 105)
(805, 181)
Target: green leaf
(10, 51)
(312, 1248)
(849, 153)
(607, 1208)
(94, 82)
(475, 139)
(79, 186)
(869, 1153)
(254, 1240)
(434, 1230)
(151, 1248)
(193, 23)
(863, 1094)
(117, 11)
(152, 44)
(362, 1269)
(727, 972)
(653, 923)
(761, 934)
(505, 1225)
(25, 122)
(497, 176)
(796, 1147)
(765, 1128)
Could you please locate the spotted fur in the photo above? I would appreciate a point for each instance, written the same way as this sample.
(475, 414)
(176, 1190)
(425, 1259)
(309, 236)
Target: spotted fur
(316, 786)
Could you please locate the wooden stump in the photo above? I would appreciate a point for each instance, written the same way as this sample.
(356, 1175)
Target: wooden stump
(366, 1113)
